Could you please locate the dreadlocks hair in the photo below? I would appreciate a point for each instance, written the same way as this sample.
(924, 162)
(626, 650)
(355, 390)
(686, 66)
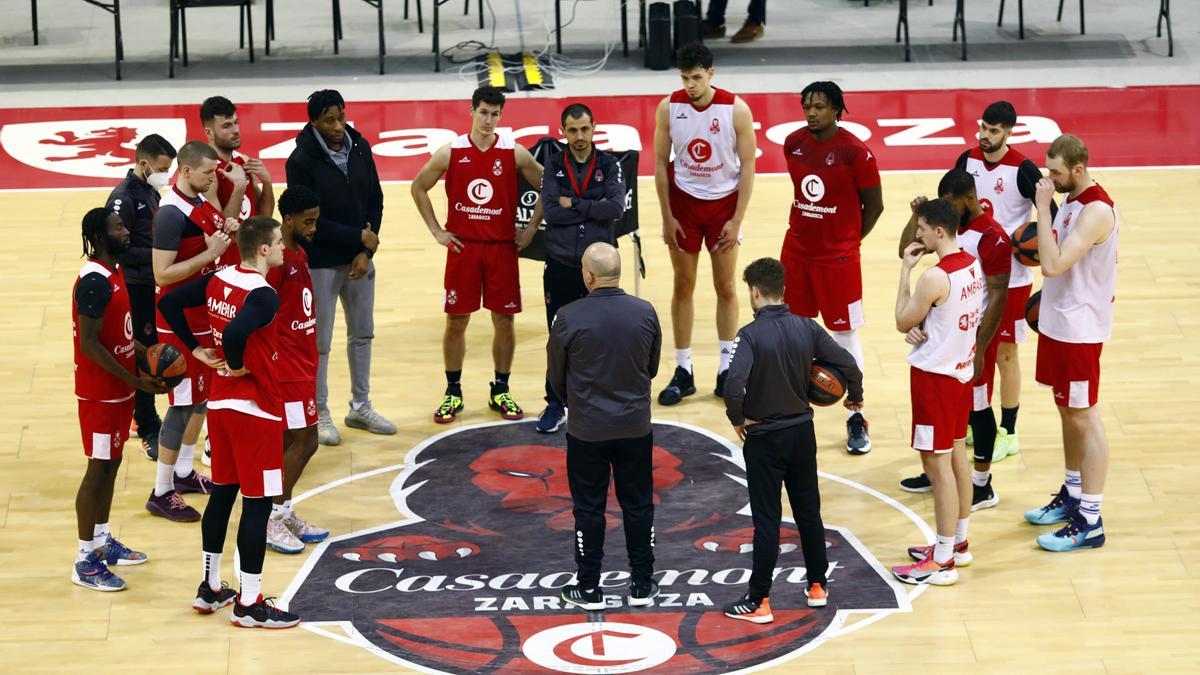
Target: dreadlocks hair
(94, 231)
(830, 91)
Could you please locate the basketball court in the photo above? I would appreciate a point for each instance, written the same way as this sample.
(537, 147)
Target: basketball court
(407, 583)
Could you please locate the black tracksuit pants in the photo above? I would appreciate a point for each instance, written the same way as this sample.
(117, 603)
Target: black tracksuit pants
(141, 311)
(563, 285)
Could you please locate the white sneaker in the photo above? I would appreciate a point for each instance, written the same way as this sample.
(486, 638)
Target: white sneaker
(327, 433)
(303, 531)
(365, 417)
(280, 538)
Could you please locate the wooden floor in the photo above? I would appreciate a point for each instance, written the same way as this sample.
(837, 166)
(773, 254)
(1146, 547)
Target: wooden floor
(1130, 607)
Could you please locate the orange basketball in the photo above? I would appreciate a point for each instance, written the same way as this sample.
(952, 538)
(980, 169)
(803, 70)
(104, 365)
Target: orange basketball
(826, 384)
(1025, 242)
(165, 361)
(1032, 309)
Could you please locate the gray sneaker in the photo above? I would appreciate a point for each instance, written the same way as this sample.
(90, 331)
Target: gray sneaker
(366, 418)
(327, 433)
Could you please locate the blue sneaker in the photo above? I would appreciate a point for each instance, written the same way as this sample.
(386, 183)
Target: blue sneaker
(1076, 534)
(1057, 511)
(91, 572)
(552, 418)
(114, 552)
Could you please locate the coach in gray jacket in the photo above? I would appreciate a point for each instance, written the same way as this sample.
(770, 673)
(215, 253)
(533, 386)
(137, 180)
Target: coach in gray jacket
(603, 352)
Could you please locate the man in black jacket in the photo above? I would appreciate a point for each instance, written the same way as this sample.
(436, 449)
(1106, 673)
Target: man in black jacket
(335, 161)
(583, 194)
(766, 400)
(135, 200)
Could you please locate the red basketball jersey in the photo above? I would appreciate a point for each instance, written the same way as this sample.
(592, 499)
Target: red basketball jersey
(225, 187)
(208, 219)
(257, 392)
(92, 382)
(826, 217)
(481, 189)
(297, 326)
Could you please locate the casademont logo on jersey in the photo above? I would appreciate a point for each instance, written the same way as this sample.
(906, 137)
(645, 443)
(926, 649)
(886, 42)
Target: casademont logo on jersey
(479, 191)
(102, 148)
(700, 151)
(812, 189)
(470, 580)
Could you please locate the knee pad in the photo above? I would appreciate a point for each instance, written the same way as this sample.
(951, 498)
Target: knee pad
(170, 436)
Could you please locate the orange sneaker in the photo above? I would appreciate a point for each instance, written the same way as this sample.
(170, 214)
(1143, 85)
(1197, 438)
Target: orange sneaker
(817, 595)
(748, 609)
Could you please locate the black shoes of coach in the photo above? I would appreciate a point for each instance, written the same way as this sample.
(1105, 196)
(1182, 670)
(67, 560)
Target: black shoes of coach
(643, 595)
(720, 390)
(589, 599)
(682, 384)
(916, 484)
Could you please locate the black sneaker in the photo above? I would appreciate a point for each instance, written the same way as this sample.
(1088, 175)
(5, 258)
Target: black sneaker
(748, 609)
(150, 446)
(208, 601)
(262, 614)
(720, 390)
(983, 497)
(682, 384)
(916, 484)
(589, 599)
(858, 442)
(643, 595)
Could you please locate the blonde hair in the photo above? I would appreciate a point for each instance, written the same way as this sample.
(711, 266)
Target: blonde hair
(1070, 149)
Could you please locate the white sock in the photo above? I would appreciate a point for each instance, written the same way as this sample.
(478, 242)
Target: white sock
(683, 358)
(251, 588)
(85, 547)
(726, 351)
(943, 550)
(212, 570)
(980, 478)
(1074, 483)
(1089, 506)
(960, 530)
(287, 507)
(186, 462)
(277, 511)
(357, 406)
(164, 478)
(848, 340)
(99, 535)
(852, 413)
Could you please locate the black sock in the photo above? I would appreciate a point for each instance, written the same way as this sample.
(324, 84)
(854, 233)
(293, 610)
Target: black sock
(500, 385)
(454, 382)
(216, 517)
(1008, 419)
(252, 533)
(983, 426)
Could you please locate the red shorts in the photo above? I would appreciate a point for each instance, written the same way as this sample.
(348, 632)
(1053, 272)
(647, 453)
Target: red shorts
(981, 388)
(834, 289)
(701, 219)
(487, 268)
(940, 408)
(299, 404)
(1071, 370)
(247, 451)
(104, 427)
(193, 389)
(1013, 328)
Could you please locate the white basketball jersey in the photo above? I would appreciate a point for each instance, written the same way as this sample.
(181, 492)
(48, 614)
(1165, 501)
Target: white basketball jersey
(998, 194)
(1077, 305)
(951, 326)
(706, 164)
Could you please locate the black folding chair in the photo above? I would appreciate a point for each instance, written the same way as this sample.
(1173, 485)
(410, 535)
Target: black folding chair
(1021, 17)
(113, 8)
(179, 27)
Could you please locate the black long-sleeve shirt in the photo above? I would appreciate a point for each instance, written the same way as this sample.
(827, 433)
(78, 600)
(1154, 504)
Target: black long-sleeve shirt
(770, 369)
(592, 216)
(136, 203)
(257, 311)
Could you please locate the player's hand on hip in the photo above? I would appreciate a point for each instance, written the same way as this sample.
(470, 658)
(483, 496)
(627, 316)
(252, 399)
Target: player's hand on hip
(369, 238)
(730, 234)
(1043, 193)
(209, 357)
(672, 233)
(151, 385)
(216, 243)
(915, 336)
(447, 239)
(236, 372)
(359, 266)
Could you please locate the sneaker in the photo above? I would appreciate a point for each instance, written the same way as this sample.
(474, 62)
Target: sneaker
(711, 31)
(206, 457)
(327, 432)
(643, 595)
(172, 507)
(817, 595)
(589, 599)
(750, 31)
(365, 417)
(262, 614)
(193, 482)
(280, 538)
(747, 609)
(448, 410)
(552, 418)
(720, 388)
(1006, 445)
(1076, 534)
(983, 497)
(962, 553)
(91, 572)
(303, 531)
(917, 484)
(114, 552)
(502, 402)
(208, 601)
(927, 572)
(1057, 511)
(682, 384)
(858, 442)
(150, 446)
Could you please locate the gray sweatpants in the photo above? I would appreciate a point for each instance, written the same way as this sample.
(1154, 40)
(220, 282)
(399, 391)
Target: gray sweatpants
(358, 304)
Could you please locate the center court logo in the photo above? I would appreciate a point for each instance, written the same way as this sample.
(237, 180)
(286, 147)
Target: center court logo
(469, 580)
(813, 187)
(480, 191)
(700, 150)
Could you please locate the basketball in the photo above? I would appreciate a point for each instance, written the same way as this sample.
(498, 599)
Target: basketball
(1025, 246)
(165, 361)
(1032, 309)
(826, 384)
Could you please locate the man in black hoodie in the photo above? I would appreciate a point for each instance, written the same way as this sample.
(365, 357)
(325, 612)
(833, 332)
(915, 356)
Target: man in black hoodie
(335, 161)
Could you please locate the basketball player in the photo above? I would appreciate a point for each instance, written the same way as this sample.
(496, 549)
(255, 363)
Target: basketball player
(986, 241)
(245, 420)
(703, 194)
(837, 201)
(191, 238)
(481, 240)
(287, 532)
(1078, 253)
(235, 191)
(947, 302)
(105, 380)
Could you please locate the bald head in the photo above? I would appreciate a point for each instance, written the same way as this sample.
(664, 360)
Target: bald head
(601, 262)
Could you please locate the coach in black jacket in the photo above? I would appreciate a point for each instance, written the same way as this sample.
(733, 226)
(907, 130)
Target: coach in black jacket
(766, 400)
(335, 161)
(583, 195)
